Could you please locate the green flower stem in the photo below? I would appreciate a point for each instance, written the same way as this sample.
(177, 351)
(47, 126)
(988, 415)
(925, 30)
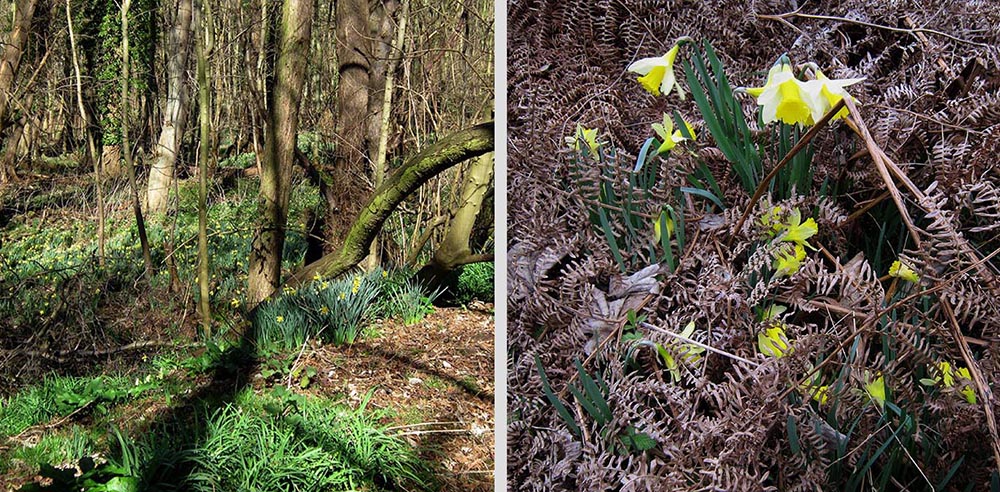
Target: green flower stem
(801, 144)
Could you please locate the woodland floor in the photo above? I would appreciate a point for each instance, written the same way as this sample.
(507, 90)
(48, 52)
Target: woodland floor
(434, 379)
(437, 377)
(427, 386)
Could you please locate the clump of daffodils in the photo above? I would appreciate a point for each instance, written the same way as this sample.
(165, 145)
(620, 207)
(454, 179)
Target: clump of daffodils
(786, 98)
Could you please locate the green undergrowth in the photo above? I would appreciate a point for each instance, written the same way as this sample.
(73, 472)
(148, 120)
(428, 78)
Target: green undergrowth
(475, 282)
(49, 273)
(340, 311)
(86, 436)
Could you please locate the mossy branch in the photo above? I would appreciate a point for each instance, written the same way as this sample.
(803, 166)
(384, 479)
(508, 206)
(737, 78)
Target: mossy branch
(449, 151)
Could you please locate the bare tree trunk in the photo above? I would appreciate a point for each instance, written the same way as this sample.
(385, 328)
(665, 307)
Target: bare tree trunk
(127, 152)
(279, 148)
(205, 44)
(10, 61)
(382, 117)
(91, 144)
(8, 171)
(161, 173)
(342, 188)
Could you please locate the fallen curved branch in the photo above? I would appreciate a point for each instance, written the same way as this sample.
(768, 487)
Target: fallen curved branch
(433, 160)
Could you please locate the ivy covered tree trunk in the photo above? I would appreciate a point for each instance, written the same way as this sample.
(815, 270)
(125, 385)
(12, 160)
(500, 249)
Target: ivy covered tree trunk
(430, 162)
(279, 148)
(161, 172)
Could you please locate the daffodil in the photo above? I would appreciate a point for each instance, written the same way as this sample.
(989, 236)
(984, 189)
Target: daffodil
(945, 376)
(280, 319)
(773, 342)
(789, 262)
(657, 73)
(324, 310)
(669, 136)
(817, 391)
(876, 389)
(658, 229)
(784, 97)
(771, 220)
(587, 136)
(901, 270)
(797, 231)
(235, 303)
(967, 391)
(686, 351)
(827, 93)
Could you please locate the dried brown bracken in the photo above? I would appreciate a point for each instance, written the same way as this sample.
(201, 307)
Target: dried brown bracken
(743, 421)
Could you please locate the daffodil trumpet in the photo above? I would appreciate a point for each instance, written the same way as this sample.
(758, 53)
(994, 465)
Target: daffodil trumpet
(656, 74)
(786, 98)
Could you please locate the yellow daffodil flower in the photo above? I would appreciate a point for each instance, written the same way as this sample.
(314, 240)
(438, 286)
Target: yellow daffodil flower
(657, 73)
(797, 231)
(587, 136)
(324, 310)
(784, 97)
(946, 377)
(686, 351)
(822, 394)
(901, 270)
(827, 93)
(669, 136)
(773, 342)
(771, 220)
(967, 391)
(657, 229)
(876, 389)
(279, 319)
(385, 273)
(816, 391)
(235, 303)
(789, 262)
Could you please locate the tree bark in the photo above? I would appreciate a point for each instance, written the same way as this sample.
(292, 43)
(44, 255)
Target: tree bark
(379, 127)
(161, 173)
(279, 148)
(454, 249)
(205, 44)
(10, 61)
(430, 162)
(127, 152)
(342, 186)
